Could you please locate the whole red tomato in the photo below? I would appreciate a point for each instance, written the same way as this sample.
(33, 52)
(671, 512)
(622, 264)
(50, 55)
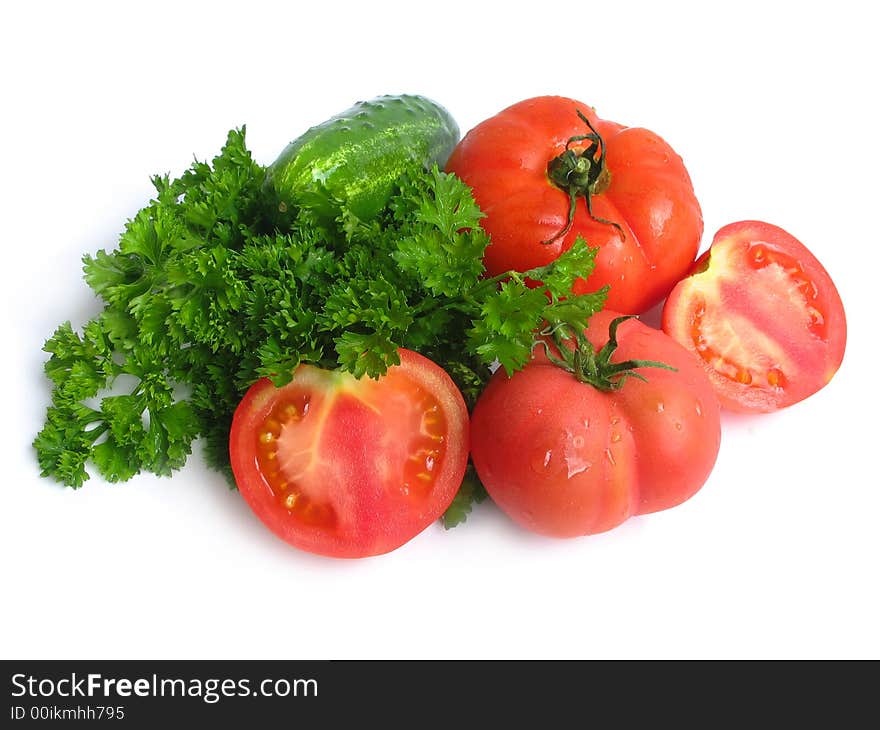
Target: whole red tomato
(547, 170)
(563, 457)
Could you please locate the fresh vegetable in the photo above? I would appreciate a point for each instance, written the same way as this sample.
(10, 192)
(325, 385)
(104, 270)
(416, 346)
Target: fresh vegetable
(353, 161)
(349, 467)
(548, 170)
(216, 284)
(763, 317)
(590, 432)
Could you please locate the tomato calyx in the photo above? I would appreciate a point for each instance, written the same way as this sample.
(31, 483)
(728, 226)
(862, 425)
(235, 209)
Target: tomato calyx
(581, 174)
(575, 354)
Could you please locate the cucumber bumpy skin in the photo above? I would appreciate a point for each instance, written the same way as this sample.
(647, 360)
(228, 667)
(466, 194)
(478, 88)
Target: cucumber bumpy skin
(354, 159)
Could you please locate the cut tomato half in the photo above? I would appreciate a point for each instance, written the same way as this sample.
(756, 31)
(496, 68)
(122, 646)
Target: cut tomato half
(762, 315)
(350, 467)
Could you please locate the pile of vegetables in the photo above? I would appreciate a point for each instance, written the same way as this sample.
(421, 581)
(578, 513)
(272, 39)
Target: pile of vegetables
(330, 326)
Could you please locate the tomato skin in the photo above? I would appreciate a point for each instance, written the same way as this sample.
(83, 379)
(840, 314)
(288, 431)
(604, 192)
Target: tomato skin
(351, 454)
(763, 317)
(504, 159)
(564, 459)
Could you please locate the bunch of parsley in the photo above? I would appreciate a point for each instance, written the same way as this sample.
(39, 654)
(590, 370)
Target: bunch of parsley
(215, 283)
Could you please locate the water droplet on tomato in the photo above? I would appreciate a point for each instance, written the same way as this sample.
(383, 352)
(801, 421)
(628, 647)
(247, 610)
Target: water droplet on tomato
(576, 465)
(541, 459)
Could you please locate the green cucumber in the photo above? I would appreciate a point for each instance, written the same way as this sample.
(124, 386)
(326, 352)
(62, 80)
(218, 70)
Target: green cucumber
(354, 159)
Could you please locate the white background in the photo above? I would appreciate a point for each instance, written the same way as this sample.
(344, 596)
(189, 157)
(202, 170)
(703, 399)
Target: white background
(773, 107)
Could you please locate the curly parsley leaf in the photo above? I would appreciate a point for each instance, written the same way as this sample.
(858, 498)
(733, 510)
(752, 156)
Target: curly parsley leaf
(470, 493)
(560, 275)
(504, 330)
(366, 354)
(445, 246)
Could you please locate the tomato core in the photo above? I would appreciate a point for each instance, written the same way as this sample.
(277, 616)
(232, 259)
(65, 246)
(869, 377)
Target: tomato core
(289, 456)
(726, 350)
(761, 256)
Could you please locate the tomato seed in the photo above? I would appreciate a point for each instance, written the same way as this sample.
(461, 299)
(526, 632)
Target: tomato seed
(775, 378)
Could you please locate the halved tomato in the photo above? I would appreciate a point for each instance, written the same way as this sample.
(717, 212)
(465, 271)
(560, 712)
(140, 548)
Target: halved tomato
(762, 315)
(350, 467)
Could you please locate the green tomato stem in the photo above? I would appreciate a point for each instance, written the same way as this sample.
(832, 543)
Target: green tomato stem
(591, 367)
(581, 174)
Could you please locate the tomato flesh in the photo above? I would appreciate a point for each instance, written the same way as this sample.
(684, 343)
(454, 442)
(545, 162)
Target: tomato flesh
(347, 467)
(763, 316)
